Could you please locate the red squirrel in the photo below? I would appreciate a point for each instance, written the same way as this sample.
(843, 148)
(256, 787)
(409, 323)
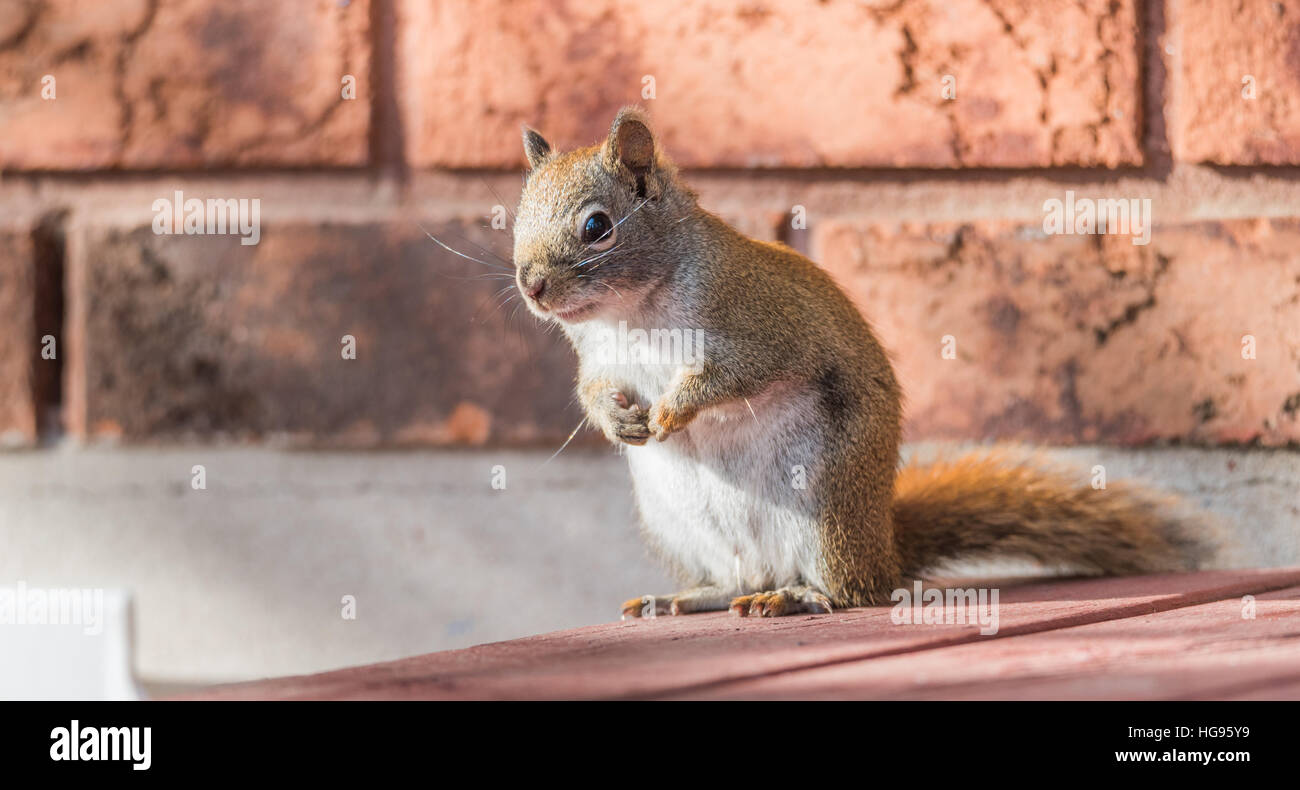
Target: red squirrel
(790, 385)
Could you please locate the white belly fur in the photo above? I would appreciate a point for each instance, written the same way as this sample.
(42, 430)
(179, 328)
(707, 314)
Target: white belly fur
(718, 498)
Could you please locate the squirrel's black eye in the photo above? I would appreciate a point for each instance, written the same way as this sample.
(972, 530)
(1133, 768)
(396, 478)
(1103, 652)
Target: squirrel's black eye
(596, 228)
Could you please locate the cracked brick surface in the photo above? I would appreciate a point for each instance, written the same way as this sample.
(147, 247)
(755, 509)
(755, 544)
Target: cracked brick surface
(147, 84)
(1231, 49)
(200, 337)
(1084, 338)
(797, 84)
(18, 332)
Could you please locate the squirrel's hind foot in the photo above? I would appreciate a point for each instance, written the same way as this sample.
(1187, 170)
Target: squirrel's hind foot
(696, 599)
(782, 602)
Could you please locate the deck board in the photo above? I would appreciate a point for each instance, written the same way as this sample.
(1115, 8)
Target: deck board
(720, 655)
(1197, 652)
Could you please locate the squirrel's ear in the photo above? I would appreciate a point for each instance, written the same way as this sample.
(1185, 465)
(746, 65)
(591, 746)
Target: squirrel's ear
(535, 148)
(630, 142)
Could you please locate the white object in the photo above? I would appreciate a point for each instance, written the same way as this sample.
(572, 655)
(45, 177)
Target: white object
(65, 644)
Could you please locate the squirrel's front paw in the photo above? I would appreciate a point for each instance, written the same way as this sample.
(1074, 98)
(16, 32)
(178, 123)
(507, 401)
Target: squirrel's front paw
(627, 422)
(665, 420)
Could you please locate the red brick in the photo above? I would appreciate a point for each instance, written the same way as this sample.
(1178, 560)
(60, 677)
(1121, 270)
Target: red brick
(757, 84)
(17, 338)
(1223, 42)
(193, 83)
(201, 337)
(1084, 338)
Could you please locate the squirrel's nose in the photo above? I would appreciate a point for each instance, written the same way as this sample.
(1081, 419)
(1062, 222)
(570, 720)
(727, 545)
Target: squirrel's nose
(537, 287)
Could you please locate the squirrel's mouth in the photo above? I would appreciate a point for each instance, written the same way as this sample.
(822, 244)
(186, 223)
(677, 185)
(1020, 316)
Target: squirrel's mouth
(570, 315)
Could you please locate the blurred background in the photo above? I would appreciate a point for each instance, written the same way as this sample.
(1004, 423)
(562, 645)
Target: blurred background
(184, 424)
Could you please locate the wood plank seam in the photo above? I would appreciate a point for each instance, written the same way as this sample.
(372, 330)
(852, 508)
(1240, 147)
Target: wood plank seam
(1180, 601)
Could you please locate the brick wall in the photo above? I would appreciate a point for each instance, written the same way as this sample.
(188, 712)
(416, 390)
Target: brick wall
(920, 140)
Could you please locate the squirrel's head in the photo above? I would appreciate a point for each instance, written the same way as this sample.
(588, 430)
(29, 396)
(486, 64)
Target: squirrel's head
(593, 230)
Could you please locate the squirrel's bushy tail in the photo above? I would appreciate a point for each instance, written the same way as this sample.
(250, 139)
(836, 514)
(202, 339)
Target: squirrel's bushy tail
(993, 505)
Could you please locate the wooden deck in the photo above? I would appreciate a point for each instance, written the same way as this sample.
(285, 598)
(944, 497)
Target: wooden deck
(1182, 636)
